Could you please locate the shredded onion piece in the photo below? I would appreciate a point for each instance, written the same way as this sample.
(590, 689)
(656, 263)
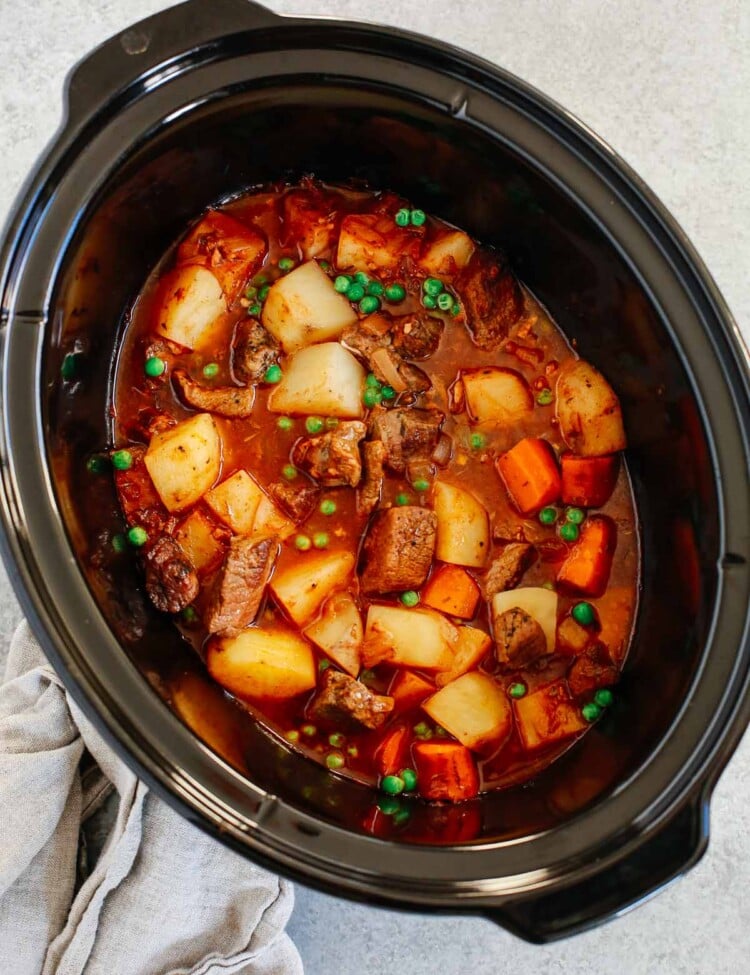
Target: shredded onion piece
(382, 362)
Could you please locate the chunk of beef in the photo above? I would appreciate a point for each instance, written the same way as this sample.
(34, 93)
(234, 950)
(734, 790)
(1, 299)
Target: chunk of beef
(332, 458)
(239, 585)
(491, 297)
(171, 581)
(591, 670)
(344, 702)
(234, 402)
(139, 499)
(507, 569)
(398, 549)
(519, 638)
(297, 500)
(374, 339)
(408, 434)
(374, 454)
(150, 422)
(254, 349)
(416, 336)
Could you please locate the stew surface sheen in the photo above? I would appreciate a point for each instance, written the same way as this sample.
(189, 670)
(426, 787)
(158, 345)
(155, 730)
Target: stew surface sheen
(381, 495)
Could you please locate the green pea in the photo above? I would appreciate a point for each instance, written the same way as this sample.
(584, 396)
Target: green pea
(369, 305)
(421, 729)
(401, 816)
(421, 485)
(309, 730)
(292, 735)
(97, 464)
(122, 460)
(395, 293)
(254, 310)
(429, 302)
(335, 760)
(517, 690)
(409, 598)
(584, 614)
(371, 397)
(119, 543)
(544, 397)
(392, 785)
(211, 369)
(324, 266)
(591, 711)
(137, 536)
(352, 751)
(260, 279)
(402, 499)
(154, 366)
(342, 283)
(302, 543)
(361, 278)
(69, 367)
(321, 539)
(314, 424)
(327, 506)
(356, 292)
(477, 441)
(289, 471)
(410, 778)
(402, 218)
(285, 423)
(367, 675)
(417, 218)
(440, 731)
(548, 516)
(433, 287)
(273, 374)
(336, 740)
(388, 805)
(263, 292)
(456, 309)
(189, 614)
(251, 292)
(286, 263)
(575, 516)
(323, 665)
(445, 301)
(568, 532)
(375, 288)
(603, 697)
(372, 380)
(388, 392)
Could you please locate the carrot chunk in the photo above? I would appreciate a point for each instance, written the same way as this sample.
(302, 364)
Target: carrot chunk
(530, 475)
(446, 770)
(391, 754)
(586, 569)
(452, 590)
(408, 690)
(588, 481)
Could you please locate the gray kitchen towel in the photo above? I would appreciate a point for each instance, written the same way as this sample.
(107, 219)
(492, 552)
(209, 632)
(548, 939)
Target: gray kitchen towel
(162, 899)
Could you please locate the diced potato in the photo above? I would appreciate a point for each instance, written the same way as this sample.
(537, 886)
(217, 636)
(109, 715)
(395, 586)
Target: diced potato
(205, 710)
(546, 716)
(184, 462)
(303, 307)
(419, 638)
(539, 603)
(572, 638)
(191, 301)
(270, 521)
(324, 379)
(338, 632)
(236, 501)
(472, 646)
(474, 709)
(196, 536)
(302, 587)
(448, 254)
(498, 396)
(272, 662)
(463, 534)
(588, 411)
(373, 242)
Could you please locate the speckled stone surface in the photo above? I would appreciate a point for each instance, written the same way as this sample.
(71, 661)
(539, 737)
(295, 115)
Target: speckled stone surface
(666, 84)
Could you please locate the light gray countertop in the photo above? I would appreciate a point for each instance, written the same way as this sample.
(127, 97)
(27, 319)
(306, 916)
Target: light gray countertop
(668, 86)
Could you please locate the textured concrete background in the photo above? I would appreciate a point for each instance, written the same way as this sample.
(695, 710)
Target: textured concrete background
(666, 84)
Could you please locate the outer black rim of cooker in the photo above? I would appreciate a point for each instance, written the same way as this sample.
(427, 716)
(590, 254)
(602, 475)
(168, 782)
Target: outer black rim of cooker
(183, 771)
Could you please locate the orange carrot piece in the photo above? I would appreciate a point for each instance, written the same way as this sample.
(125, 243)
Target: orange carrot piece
(586, 569)
(588, 481)
(390, 755)
(451, 590)
(408, 690)
(445, 770)
(530, 475)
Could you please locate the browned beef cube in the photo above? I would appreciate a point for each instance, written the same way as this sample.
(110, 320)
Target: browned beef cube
(519, 638)
(171, 581)
(239, 585)
(408, 434)
(254, 349)
(591, 670)
(298, 500)
(507, 569)
(416, 336)
(344, 702)
(398, 549)
(374, 454)
(230, 401)
(491, 297)
(383, 342)
(332, 458)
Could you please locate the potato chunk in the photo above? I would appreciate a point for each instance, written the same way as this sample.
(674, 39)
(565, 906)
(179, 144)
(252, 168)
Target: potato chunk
(338, 632)
(539, 603)
(190, 302)
(546, 716)
(373, 242)
(497, 396)
(324, 379)
(588, 411)
(236, 501)
(447, 254)
(463, 534)
(418, 638)
(197, 538)
(474, 709)
(270, 521)
(303, 307)
(473, 644)
(301, 588)
(184, 462)
(263, 662)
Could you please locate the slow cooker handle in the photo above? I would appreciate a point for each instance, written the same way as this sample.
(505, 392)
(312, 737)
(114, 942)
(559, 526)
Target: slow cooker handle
(133, 55)
(665, 856)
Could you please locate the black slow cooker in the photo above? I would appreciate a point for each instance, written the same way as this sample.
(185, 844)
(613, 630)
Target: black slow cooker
(199, 102)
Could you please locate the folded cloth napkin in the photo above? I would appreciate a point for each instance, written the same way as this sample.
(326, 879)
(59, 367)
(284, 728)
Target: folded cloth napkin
(162, 899)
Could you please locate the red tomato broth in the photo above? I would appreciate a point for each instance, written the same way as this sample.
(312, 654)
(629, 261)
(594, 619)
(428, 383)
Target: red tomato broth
(536, 350)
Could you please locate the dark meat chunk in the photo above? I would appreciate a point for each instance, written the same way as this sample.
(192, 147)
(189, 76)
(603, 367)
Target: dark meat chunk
(150, 422)
(399, 549)
(344, 702)
(332, 458)
(374, 339)
(235, 402)
(408, 434)
(171, 581)
(592, 670)
(254, 349)
(239, 585)
(507, 569)
(139, 499)
(491, 297)
(297, 501)
(416, 336)
(374, 454)
(519, 638)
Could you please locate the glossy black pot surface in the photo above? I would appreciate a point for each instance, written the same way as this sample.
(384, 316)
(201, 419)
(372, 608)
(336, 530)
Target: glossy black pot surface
(206, 99)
